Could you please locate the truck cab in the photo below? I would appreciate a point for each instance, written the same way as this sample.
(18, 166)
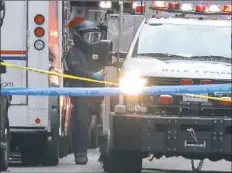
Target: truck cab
(181, 44)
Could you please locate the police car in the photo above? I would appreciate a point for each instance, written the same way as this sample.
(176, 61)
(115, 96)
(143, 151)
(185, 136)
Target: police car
(189, 46)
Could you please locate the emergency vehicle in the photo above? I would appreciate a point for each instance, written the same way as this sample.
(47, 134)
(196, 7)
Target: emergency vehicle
(32, 36)
(179, 44)
(39, 125)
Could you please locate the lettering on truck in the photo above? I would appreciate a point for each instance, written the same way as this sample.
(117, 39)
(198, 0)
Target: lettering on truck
(7, 84)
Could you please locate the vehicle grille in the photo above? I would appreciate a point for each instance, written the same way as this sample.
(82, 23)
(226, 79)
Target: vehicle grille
(212, 107)
(163, 81)
(154, 81)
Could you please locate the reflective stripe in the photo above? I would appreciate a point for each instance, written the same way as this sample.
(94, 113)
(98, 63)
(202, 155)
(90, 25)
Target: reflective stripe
(13, 52)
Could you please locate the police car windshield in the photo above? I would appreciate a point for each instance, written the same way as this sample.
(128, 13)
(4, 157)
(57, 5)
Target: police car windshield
(184, 41)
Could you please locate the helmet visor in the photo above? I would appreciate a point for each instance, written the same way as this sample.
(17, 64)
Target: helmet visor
(92, 37)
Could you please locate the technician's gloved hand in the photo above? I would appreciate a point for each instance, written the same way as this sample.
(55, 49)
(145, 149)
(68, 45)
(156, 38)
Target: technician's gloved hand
(99, 75)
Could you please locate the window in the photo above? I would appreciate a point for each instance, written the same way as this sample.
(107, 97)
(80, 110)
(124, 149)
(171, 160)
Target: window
(185, 40)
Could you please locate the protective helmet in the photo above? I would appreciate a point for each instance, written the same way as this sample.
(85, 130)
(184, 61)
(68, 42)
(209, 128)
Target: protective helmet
(86, 26)
(89, 31)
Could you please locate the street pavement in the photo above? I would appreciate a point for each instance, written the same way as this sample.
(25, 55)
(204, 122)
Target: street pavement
(178, 164)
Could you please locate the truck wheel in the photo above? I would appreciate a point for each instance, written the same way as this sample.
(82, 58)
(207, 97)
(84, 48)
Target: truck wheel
(66, 140)
(31, 156)
(51, 150)
(94, 134)
(70, 146)
(62, 147)
(5, 150)
(122, 162)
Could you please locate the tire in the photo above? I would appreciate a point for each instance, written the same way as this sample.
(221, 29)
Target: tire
(63, 147)
(31, 156)
(46, 154)
(70, 145)
(4, 152)
(122, 162)
(62, 151)
(51, 150)
(94, 135)
(95, 131)
(66, 141)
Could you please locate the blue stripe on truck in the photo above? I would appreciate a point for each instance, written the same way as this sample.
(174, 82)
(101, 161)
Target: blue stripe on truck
(13, 58)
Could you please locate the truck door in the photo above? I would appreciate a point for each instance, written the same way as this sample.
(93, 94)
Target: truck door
(14, 47)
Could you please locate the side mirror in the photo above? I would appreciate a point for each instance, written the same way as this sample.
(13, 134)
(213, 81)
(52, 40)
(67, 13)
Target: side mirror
(2, 68)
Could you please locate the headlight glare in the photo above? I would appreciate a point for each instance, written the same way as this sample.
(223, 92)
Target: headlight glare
(132, 83)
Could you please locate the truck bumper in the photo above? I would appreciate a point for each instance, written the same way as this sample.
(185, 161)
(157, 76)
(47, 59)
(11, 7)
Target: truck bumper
(28, 130)
(171, 135)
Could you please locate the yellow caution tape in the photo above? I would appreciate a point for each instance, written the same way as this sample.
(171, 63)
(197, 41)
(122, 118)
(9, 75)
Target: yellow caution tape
(54, 73)
(92, 80)
(212, 98)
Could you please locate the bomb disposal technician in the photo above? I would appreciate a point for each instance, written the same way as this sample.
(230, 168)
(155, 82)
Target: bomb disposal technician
(77, 62)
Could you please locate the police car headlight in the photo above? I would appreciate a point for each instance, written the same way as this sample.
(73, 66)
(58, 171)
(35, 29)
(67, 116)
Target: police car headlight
(132, 83)
(39, 44)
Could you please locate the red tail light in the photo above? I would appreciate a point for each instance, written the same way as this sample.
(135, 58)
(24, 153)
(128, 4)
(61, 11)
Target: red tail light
(205, 82)
(39, 19)
(39, 32)
(186, 82)
(166, 99)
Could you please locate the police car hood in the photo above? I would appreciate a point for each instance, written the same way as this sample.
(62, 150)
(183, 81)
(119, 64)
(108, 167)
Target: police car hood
(179, 68)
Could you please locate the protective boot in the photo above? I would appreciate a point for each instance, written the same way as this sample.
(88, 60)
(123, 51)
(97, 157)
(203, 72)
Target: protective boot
(81, 158)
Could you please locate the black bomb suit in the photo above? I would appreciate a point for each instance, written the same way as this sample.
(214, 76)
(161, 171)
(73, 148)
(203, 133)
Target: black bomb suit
(78, 62)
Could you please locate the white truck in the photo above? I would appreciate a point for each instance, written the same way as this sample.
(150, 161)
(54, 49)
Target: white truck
(33, 35)
(180, 45)
(39, 38)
